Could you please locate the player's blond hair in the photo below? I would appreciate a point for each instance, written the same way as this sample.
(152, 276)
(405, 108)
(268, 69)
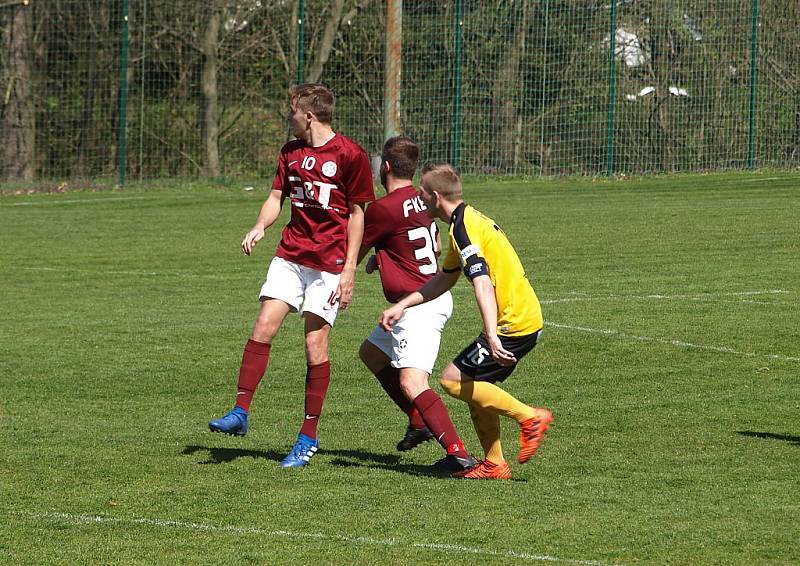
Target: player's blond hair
(444, 179)
(316, 98)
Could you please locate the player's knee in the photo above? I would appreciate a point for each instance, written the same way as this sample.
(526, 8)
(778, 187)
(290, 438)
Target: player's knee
(451, 387)
(264, 330)
(316, 347)
(451, 380)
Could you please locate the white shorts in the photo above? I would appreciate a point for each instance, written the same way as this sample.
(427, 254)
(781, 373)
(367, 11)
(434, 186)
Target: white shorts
(414, 339)
(302, 288)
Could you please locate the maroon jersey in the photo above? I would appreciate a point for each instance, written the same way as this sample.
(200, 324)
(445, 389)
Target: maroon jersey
(405, 241)
(322, 183)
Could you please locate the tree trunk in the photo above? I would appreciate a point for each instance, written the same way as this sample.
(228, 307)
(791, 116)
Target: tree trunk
(325, 46)
(17, 127)
(506, 95)
(85, 129)
(211, 95)
(661, 65)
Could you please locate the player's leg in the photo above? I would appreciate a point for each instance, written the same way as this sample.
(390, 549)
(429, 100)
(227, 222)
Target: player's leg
(471, 377)
(484, 394)
(318, 378)
(414, 382)
(415, 346)
(486, 424)
(375, 352)
(494, 465)
(280, 294)
(487, 427)
(481, 388)
(255, 358)
(318, 373)
(319, 312)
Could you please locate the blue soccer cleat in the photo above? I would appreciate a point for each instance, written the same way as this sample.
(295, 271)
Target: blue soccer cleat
(233, 423)
(301, 452)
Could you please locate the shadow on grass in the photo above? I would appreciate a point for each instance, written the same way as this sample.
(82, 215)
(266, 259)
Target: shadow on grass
(771, 436)
(389, 462)
(223, 455)
(341, 459)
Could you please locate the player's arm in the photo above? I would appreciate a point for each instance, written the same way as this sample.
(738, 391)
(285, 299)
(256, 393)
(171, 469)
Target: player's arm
(355, 233)
(442, 282)
(487, 304)
(270, 211)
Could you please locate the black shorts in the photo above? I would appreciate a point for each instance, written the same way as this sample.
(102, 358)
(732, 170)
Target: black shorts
(477, 362)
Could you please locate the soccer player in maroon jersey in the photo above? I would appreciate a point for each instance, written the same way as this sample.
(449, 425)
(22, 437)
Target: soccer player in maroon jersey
(406, 245)
(327, 179)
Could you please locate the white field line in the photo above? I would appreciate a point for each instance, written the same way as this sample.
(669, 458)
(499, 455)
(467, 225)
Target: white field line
(678, 343)
(659, 297)
(390, 542)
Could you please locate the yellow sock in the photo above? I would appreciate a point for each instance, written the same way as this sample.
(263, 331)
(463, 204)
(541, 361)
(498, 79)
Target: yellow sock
(487, 427)
(490, 397)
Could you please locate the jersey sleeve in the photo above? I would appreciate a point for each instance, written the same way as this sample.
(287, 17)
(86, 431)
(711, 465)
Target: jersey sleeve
(377, 224)
(279, 183)
(358, 179)
(469, 246)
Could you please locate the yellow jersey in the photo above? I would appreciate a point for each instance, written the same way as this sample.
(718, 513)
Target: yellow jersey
(480, 247)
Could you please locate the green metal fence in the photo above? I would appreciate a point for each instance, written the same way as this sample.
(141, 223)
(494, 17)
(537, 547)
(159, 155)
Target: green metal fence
(175, 88)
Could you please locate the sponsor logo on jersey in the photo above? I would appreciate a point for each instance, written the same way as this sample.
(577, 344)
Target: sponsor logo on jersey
(469, 251)
(329, 169)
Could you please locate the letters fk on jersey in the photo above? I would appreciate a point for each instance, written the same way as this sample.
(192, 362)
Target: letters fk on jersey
(413, 204)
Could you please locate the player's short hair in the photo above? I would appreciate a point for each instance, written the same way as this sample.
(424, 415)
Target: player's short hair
(316, 98)
(444, 179)
(402, 154)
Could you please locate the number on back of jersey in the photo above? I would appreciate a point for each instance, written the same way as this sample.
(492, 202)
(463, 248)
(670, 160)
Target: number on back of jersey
(426, 253)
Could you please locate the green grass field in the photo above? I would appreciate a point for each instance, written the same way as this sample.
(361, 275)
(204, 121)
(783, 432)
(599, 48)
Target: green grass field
(671, 360)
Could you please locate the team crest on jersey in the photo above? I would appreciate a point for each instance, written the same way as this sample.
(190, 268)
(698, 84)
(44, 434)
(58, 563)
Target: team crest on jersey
(329, 168)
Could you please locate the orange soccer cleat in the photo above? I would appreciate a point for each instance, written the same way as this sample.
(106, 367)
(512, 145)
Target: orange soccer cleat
(486, 470)
(531, 433)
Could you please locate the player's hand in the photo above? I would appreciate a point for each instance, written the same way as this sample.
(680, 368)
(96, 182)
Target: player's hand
(251, 239)
(344, 292)
(372, 264)
(390, 316)
(500, 354)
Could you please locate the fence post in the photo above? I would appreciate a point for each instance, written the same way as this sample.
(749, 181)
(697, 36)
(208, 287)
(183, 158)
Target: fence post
(301, 42)
(612, 80)
(393, 68)
(456, 157)
(751, 142)
(123, 98)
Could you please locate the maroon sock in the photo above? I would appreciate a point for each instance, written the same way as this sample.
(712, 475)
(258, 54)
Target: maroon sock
(436, 417)
(415, 418)
(389, 378)
(317, 379)
(254, 363)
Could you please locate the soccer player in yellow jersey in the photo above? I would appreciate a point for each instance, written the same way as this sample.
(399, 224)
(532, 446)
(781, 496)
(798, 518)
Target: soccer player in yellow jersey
(512, 322)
